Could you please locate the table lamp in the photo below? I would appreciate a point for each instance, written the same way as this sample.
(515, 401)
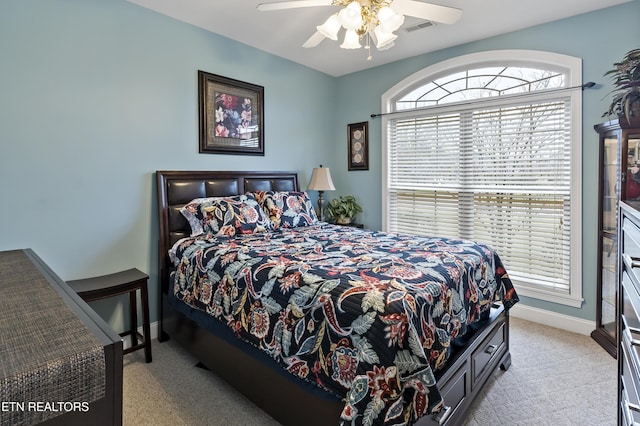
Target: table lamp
(321, 181)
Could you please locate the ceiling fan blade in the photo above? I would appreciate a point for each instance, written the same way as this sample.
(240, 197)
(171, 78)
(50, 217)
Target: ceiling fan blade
(293, 4)
(314, 40)
(428, 11)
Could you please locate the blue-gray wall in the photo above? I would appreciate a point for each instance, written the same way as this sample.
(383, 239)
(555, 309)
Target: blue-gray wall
(96, 95)
(600, 38)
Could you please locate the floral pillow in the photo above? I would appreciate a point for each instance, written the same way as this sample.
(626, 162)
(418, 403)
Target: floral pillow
(287, 209)
(239, 214)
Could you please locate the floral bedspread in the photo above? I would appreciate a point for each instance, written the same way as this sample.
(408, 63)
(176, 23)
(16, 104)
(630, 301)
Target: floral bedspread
(366, 315)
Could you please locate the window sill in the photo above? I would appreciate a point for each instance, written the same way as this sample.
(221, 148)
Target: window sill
(567, 299)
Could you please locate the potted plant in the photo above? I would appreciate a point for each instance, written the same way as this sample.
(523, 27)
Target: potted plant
(342, 209)
(626, 79)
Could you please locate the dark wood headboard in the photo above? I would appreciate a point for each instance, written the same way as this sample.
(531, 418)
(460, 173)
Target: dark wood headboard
(177, 188)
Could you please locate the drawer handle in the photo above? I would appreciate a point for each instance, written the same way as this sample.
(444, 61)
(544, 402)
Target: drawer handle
(628, 330)
(626, 412)
(634, 262)
(491, 349)
(625, 406)
(443, 415)
(634, 342)
(633, 407)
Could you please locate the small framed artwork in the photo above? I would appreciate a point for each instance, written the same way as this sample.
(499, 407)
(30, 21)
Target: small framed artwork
(358, 139)
(231, 116)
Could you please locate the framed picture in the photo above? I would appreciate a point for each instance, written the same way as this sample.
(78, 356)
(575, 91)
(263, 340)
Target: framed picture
(231, 116)
(358, 139)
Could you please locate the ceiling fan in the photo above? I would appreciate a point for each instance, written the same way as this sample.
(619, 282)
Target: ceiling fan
(374, 20)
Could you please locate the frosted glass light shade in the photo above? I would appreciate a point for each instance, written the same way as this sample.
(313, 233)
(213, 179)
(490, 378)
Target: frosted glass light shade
(389, 20)
(351, 16)
(330, 27)
(383, 39)
(351, 40)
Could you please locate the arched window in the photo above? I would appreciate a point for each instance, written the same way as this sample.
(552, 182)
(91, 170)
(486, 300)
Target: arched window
(488, 147)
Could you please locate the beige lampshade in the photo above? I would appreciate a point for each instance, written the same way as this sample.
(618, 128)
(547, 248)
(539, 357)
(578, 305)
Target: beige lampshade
(321, 180)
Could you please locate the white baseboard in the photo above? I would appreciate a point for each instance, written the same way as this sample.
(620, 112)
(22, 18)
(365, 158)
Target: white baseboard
(553, 319)
(153, 328)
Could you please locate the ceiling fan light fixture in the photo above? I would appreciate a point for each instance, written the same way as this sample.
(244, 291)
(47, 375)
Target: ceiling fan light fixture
(369, 20)
(351, 40)
(330, 27)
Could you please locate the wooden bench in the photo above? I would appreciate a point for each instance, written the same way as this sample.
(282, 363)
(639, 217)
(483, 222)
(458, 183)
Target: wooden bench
(129, 281)
(54, 348)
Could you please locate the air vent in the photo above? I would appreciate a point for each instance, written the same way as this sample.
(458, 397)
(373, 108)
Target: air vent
(419, 26)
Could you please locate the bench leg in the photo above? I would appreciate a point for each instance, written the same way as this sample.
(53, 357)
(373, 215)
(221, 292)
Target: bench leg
(133, 317)
(145, 323)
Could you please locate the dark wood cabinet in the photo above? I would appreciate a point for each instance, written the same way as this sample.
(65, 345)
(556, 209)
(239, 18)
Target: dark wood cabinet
(619, 177)
(629, 319)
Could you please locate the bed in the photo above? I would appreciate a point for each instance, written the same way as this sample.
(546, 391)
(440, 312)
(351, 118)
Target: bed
(325, 324)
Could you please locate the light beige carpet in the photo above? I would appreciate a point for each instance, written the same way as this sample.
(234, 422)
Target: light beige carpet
(556, 378)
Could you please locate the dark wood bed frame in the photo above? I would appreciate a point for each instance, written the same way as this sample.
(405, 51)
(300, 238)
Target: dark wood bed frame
(278, 394)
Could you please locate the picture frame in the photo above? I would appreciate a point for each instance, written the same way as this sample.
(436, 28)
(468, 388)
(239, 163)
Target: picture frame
(231, 115)
(358, 143)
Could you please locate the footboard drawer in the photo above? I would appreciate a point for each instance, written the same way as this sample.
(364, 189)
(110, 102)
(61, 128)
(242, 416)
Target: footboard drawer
(454, 393)
(491, 348)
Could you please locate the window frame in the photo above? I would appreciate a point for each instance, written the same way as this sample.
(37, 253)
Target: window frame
(572, 68)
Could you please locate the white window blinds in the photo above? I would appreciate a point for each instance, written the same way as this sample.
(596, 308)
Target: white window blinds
(497, 175)
(493, 170)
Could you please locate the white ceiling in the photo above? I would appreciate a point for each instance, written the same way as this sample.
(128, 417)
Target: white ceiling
(283, 32)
